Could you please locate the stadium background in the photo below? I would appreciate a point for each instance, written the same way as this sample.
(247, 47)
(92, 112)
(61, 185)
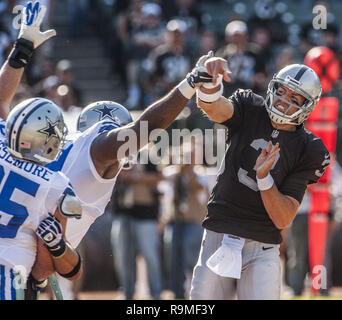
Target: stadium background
(105, 50)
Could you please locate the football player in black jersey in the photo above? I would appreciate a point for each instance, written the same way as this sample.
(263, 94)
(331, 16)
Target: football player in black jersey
(270, 160)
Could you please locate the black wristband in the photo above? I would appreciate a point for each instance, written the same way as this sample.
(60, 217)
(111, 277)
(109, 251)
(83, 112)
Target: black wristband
(73, 271)
(58, 249)
(21, 53)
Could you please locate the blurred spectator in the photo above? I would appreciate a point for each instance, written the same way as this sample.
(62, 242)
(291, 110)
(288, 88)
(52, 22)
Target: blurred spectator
(261, 41)
(129, 18)
(266, 16)
(330, 37)
(65, 73)
(69, 94)
(23, 92)
(49, 89)
(208, 41)
(336, 238)
(169, 62)
(135, 227)
(284, 58)
(183, 233)
(297, 245)
(47, 68)
(297, 249)
(241, 56)
(144, 37)
(185, 10)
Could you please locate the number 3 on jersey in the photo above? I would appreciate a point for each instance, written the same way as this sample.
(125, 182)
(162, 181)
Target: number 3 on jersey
(243, 177)
(13, 214)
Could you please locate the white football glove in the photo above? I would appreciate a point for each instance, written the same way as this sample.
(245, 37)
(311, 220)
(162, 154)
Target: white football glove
(197, 77)
(31, 18)
(30, 37)
(50, 232)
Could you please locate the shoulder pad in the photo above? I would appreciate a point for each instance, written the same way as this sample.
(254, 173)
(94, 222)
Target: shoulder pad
(70, 206)
(246, 98)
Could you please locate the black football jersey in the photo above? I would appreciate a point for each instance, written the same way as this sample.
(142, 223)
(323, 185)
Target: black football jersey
(235, 205)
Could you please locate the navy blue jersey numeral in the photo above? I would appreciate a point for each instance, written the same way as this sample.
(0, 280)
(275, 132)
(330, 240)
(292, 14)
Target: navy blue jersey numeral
(12, 214)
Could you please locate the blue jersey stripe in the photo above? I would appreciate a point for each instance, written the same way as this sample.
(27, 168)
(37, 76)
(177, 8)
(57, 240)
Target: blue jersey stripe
(107, 126)
(69, 191)
(13, 291)
(57, 165)
(2, 282)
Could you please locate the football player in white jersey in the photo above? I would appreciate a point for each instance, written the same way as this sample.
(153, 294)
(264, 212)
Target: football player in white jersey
(92, 161)
(34, 201)
(30, 194)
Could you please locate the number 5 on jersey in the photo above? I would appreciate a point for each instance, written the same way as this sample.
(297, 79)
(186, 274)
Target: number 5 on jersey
(12, 214)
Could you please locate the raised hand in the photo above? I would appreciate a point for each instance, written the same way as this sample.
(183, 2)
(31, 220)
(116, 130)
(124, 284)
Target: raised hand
(266, 160)
(31, 19)
(217, 68)
(199, 74)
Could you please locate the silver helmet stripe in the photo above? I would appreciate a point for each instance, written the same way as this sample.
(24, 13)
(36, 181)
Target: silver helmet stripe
(14, 123)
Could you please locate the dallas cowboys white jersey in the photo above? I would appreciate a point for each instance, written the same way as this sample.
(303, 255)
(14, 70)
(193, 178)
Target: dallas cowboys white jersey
(28, 192)
(2, 129)
(91, 189)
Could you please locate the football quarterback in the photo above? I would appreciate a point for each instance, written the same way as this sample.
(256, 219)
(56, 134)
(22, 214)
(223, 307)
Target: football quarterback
(270, 160)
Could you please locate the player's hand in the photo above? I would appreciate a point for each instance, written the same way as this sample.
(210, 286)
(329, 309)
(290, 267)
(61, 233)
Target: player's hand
(266, 160)
(212, 91)
(50, 232)
(199, 74)
(218, 69)
(31, 18)
(197, 77)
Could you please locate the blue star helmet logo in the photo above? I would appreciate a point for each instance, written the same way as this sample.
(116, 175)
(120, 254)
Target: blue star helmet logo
(50, 130)
(106, 112)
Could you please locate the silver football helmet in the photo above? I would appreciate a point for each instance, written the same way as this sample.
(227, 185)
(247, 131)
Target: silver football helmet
(103, 110)
(35, 130)
(302, 80)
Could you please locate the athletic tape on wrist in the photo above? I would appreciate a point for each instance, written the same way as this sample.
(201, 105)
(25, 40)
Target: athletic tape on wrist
(265, 183)
(209, 98)
(186, 90)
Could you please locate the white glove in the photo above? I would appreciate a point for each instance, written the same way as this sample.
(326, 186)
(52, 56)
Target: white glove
(50, 232)
(30, 37)
(197, 77)
(31, 18)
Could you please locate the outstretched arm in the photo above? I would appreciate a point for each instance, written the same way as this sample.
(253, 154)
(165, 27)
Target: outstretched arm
(30, 37)
(107, 150)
